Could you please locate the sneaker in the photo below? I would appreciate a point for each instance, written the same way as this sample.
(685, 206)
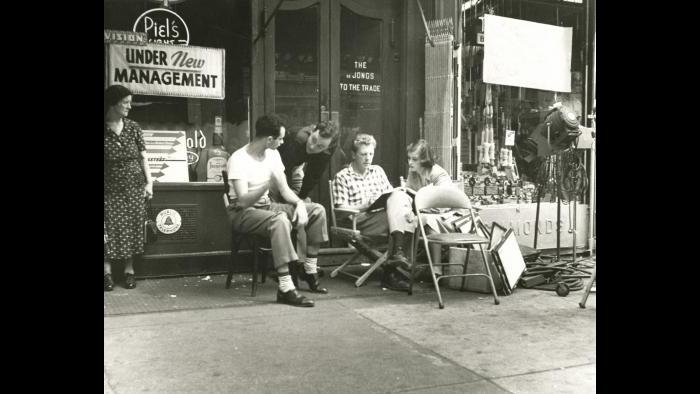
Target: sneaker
(392, 280)
(108, 282)
(129, 281)
(293, 298)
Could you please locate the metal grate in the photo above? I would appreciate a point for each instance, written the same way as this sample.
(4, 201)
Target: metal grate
(188, 229)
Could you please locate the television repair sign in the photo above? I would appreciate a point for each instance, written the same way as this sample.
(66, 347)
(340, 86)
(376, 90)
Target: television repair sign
(168, 70)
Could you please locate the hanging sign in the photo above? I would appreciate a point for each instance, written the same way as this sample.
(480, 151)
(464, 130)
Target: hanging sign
(168, 70)
(167, 155)
(527, 54)
(163, 26)
(125, 37)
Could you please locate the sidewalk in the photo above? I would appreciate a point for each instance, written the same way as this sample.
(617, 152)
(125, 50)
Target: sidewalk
(192, 335)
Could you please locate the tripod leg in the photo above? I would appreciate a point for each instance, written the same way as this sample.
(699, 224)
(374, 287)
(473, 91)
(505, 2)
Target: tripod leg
(582, 304)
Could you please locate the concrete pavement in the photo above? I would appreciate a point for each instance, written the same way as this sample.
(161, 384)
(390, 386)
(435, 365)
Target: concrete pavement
(365, 340)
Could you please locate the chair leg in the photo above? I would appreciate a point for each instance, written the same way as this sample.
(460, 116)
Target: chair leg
(464, 271)
(235, 245)
(256, 250)
(432, 275)
(361, 280)
(336, 271)
(488, 270)
(586, 292)
(414, 251)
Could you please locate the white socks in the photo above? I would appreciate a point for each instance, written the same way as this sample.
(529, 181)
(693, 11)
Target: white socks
(286, 283)
(310, 265)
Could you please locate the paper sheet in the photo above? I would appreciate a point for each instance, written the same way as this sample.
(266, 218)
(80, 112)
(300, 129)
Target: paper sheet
(527, 54)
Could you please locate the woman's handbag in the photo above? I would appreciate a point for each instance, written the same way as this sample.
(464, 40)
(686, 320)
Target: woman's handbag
(150, 230)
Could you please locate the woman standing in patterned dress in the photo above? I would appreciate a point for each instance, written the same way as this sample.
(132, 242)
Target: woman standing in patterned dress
(127, 182)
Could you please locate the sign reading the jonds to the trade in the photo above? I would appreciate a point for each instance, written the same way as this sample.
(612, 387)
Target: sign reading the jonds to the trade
(163, 26)
(361, 79)
(168, 70)
(167, 155)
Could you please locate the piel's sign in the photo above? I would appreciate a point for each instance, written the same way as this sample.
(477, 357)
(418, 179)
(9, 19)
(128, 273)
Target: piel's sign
(163, 26)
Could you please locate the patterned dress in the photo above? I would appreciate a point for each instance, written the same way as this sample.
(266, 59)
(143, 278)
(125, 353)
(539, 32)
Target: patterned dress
(124, 183)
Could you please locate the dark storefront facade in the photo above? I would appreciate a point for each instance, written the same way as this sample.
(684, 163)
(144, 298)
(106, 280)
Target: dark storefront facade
(360, 63)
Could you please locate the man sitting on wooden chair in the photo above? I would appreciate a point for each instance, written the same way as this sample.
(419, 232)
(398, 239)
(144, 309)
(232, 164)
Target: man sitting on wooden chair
(251, 171)
(360, 185)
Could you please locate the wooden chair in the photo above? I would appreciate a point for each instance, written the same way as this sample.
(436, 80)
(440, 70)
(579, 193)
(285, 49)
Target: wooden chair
(447, 197)
(363, 245)
(257, 243)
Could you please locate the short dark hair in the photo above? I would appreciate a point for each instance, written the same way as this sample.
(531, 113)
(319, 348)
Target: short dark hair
(329, 130)
(114, 94)
(426, 157)
(268, 125)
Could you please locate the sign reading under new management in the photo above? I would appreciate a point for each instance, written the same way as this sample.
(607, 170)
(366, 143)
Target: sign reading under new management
(168, 70)
(166, 152)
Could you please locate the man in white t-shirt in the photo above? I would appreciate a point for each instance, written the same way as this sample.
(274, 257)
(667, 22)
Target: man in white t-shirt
(252, 170)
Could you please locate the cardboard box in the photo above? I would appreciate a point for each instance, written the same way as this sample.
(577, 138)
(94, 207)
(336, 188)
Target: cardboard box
(478, 284)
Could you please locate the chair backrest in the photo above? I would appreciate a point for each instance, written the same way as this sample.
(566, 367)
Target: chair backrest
(332, 204)
(224, 176)
(441, 197)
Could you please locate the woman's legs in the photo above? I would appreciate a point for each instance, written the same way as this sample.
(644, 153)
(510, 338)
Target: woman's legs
(129, 266)
(129, 280)
(108, 283)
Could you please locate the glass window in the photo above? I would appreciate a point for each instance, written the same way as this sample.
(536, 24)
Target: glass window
(297, 67)
(221, 24)
(360, 80)
(514, 108)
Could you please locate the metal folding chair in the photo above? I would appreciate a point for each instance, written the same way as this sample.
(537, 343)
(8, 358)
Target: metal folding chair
(363, 245)
(446, 197)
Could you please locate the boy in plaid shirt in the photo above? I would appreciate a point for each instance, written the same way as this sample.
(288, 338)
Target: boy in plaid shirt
(358, 186)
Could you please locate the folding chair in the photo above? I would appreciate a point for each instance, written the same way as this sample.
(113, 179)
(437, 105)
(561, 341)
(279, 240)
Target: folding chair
(255, 241)
(363, 245)
(446, 197)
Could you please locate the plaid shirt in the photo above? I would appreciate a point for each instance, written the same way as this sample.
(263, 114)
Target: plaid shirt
(353, 189)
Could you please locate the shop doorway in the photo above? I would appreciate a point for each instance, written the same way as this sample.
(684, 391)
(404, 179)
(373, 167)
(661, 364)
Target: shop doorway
(333, 60)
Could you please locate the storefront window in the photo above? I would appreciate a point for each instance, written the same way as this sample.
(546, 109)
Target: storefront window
(514, 108)
(360, 79)
(297, 67)
(221, 25)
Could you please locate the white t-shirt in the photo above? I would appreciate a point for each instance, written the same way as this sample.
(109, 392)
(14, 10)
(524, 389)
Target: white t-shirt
(243, 166)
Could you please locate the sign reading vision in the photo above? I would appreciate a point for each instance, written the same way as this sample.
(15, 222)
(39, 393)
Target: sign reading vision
(163, 26)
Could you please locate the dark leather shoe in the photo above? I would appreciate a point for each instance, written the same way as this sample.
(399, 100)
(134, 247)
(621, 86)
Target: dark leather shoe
(293, 298)
(392, 280)
(312, 280)
(109, 283)
(398, 259)
(129, 281)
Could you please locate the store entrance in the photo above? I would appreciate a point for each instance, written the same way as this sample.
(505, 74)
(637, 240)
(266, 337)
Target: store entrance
(336, 60)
